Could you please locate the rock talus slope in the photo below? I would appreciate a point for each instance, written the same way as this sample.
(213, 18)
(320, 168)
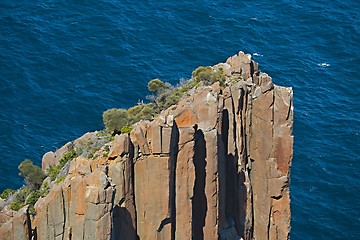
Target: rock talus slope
(215, 166)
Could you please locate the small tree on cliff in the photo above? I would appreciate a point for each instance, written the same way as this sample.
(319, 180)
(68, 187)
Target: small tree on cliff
(114, 119)
(33, 174)
(157, 86)
(165, 94)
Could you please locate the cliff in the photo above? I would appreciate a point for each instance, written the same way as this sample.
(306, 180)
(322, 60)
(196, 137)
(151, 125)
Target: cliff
(214, 166)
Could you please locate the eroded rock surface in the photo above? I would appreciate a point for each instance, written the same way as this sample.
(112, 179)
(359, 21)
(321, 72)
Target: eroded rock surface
(216, 166)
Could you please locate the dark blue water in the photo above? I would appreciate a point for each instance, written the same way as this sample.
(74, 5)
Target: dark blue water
(62, 63)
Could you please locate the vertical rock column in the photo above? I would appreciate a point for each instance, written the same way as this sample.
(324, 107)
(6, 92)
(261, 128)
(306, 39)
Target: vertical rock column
(279, 226)
(152, 179)
(197, 168)
(270, 153)
(120, 162)
(260, 148)
(177, 185)
(19, 227)
(257, 133)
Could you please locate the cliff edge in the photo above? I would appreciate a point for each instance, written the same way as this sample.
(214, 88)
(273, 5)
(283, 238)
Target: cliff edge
(214, 166)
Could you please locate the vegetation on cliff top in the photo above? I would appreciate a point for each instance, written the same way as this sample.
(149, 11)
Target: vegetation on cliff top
(116, 120)
(164, 95)
(53, 171)
(35, 187)
(33, 178)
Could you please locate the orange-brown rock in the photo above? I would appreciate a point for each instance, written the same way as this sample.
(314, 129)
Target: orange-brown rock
(216, 166)
(18, 227)
(52, 158)
(6, 214)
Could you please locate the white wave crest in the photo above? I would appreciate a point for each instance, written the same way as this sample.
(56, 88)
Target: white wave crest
(324, 65)
(258, 54)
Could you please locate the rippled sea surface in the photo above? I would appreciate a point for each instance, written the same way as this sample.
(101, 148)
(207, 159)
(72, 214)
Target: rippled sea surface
(62, 63)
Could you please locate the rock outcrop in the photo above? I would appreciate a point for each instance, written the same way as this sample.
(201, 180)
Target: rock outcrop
(215, 166)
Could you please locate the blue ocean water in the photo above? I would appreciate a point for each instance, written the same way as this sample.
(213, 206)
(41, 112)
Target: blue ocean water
(62, 63)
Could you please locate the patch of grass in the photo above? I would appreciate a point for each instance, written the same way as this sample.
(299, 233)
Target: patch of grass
(92, 153)
(53, 171)
(60, 179)
(110, 139)
(67, 157)
(236, 79)
(45, 189)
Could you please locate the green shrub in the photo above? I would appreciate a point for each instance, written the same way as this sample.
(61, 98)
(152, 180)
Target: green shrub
(235, 79)
(114, 119)
(45, 189)
(126, 129)
(219, 76)
(92, 153)
(67, 157)
(203, 74)
(33, 197)
(20, 197)
(33, 174)
(120, 120)
(209, 76)
(7, 193)
(109, 139)
(22, 194)
(16, 205)
(133, 111)
(186, 88)
(173, 98)
(53, 171)
(60, 179)
(141, 112)
(160, 101)
(157, 86)
(147, 112)
(32, 210)
(26, 197)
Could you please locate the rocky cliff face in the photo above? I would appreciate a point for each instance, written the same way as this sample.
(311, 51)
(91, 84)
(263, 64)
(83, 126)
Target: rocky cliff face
(215, 166)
